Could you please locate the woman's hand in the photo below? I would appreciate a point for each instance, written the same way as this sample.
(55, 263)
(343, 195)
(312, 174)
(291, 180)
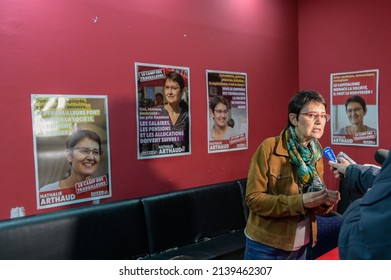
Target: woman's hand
(333, 197)
(322, 200)
(315, 199)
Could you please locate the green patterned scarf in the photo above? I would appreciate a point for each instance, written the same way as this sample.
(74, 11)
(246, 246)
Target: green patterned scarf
(305, 158)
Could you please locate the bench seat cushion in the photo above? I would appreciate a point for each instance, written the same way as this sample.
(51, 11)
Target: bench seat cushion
(226, 246)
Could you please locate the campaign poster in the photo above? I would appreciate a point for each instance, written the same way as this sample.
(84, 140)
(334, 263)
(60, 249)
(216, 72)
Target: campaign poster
(71, 149)
(227, 111)
(354, 108)
(163, 110)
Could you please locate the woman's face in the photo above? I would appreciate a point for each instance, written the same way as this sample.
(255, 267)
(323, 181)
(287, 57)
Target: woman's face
(355, 113)
(220, 115)
(172, 91)
(306, 127)
(84, 157)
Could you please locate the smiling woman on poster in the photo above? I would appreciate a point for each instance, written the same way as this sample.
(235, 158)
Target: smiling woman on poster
(356, 109)
(83, 154)
(223, 125)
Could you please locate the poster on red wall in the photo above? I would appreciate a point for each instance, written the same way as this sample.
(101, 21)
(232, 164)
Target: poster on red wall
(71, 149)
(354, 105)
(227, 111)
(163, 110)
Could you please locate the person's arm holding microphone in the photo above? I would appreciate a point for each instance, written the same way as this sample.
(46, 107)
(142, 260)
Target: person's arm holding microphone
(357, 177)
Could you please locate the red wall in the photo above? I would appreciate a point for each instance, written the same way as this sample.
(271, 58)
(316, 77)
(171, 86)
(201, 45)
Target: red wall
(343, 36)
(90, 47)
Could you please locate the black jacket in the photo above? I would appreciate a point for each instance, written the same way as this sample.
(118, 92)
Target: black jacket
(365, 231)
(359, 178)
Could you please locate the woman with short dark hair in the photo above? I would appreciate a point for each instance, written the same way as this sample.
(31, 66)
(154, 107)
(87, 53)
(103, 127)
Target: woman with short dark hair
(356, 109)
(285, 187)
(83, 153)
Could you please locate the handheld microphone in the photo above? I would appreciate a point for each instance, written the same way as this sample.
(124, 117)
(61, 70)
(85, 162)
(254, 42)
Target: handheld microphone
(345, 156)
(381, 155)
(328, 152)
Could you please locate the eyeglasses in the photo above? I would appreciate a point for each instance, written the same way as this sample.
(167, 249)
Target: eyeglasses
(86, 151)
(221, 112)
(313, 116)
(354, 110)
(172, 88)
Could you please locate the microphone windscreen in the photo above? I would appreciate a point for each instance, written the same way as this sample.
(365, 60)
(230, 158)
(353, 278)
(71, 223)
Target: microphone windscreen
(328, 152)
(381, 155)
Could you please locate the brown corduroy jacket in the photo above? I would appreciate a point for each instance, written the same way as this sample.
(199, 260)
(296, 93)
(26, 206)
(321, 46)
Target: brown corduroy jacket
(273, 198)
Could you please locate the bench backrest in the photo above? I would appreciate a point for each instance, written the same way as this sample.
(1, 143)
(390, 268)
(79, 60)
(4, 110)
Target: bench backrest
(112, 230)
(179, 218)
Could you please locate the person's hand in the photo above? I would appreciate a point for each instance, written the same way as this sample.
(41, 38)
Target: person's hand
(315, 199)
(332, 197)
(339, 167)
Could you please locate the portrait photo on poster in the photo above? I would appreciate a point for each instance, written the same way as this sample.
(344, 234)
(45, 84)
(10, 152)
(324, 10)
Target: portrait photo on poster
(354, 108)
(71, 149)
(162, 110)
(227, 111)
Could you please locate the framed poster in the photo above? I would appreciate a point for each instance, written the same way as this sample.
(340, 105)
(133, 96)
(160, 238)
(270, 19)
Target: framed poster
(71, 148)
(163, 110)
(354, 108)
(227, 111)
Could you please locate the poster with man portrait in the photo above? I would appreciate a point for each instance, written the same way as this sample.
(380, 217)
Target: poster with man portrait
(227, 111)
(71, 149)
(354, 108)
(163, 110)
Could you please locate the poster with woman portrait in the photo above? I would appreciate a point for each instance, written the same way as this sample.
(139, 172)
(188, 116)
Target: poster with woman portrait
(354, 108)
(71, 149)
(227, 111)
(163, 110)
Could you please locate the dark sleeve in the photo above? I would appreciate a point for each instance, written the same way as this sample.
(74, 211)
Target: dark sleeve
(363, 233)
(359, 178)
(351, 245)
